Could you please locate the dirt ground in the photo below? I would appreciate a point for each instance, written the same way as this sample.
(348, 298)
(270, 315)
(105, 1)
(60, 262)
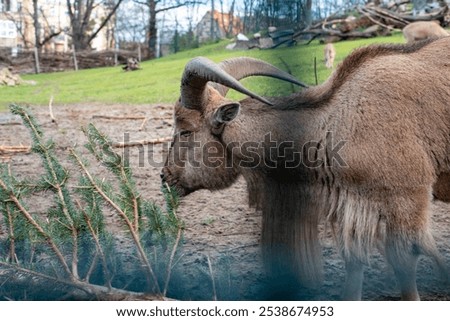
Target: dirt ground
(219, 225)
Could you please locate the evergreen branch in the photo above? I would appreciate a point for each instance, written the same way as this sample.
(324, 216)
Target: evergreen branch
(69, 218)
(92, 268)
(101, 147)
(172, 212)
(98, 246)
(41, 275)
(38, 228)
(90, 289)
(136, 214)
(172, 256)
(143, 257)
(58, 183)
(12, 247)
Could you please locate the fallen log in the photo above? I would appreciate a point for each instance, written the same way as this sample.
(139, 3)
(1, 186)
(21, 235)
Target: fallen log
(375, 21)
(76, 290)
(340, 27)
(388, 16)
(336, 33)
(437, 15)
(143, 142)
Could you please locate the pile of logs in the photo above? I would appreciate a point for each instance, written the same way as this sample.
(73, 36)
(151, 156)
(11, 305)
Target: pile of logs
(51, 62)
(361, 21)
(373, 20)
(7, 78)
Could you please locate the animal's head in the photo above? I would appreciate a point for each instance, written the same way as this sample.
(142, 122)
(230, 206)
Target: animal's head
(198, 159)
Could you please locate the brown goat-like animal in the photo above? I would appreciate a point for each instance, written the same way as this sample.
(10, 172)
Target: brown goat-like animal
(361, 151)
(422, 30)
(329, 53)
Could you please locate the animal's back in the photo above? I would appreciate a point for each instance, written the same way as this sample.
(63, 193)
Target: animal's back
(421, 30)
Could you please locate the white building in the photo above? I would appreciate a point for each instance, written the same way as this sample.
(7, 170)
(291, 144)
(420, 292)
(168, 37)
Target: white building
(17, 28)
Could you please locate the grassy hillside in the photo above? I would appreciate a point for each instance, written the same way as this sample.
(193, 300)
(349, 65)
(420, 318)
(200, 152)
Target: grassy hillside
(159, 80)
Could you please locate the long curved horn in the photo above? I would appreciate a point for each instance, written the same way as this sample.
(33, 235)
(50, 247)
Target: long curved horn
(243, 67)
(196, 75)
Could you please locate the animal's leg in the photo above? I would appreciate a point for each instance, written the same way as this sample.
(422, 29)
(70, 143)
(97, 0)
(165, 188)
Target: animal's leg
(407, 236)
(354, 280)
(403, 259)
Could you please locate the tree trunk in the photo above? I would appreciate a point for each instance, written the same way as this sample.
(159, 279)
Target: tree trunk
(213, 34)
(308, 13)
(152, 30)
(231, 20)
(37, 26)
(80, 12)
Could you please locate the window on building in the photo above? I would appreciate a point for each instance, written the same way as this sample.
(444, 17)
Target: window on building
(5, 5)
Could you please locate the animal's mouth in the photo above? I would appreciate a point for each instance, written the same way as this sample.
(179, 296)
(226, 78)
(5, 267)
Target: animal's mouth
(178, 188)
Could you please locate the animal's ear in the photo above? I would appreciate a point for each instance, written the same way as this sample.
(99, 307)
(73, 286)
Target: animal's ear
(224, 114)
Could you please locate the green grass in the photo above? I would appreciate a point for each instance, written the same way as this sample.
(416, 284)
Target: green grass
(159, 80)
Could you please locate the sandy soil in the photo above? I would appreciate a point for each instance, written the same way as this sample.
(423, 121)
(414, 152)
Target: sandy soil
(219, 225)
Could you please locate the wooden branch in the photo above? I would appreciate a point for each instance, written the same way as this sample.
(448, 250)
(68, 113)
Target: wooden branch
(143, 124)
(143, 142)
(315, 71)
(92, 290)
(38, 229)
(14, 149)
(150, 275)
(7, 123)
(172, 256)
(105, 20)
(312, 38)
(119, 117)
(362, 11)
(331, 32)
(438, 15)
(386, 14)
(98, 246)
(50, 108)
(288, 70)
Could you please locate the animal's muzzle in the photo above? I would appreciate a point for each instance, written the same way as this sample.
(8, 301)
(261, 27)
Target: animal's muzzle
(163, 177)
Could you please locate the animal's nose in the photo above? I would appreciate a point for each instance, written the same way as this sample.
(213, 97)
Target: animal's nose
(163, 177)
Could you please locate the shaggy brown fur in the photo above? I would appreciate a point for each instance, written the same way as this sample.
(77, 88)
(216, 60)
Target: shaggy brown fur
(379, 130)
(441, 188)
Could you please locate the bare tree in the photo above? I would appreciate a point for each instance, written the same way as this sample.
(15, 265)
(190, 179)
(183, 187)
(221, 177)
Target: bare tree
(19, 20)
(231, 17)
(155, 7)
(248, 14)
(260, 14)
(36, 24)
(307, 13)
(228, 26)
(80, 13)
(131, 22)
(43, 30)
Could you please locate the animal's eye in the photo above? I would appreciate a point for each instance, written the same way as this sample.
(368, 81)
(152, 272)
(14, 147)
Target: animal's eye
(185, 133)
